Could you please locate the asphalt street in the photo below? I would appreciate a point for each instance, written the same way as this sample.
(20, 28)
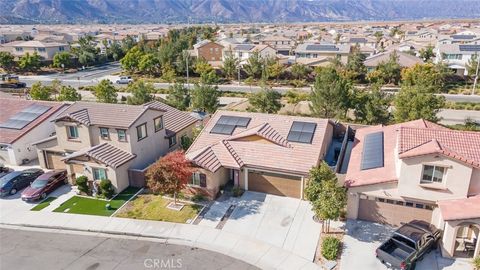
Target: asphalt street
(22, 249)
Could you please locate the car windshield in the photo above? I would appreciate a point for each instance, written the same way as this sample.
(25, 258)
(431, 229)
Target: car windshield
(39, 183)
(4, 180)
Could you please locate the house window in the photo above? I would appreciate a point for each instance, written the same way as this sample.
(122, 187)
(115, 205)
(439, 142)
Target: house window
(99, 174)
(61, 48)
(122, 135)
(104, 133)
(19, 49)
(172, 141)
(142, 131)
(41, 49)
(72, 132)
(432, 174)
(198, 179)
(158, 123)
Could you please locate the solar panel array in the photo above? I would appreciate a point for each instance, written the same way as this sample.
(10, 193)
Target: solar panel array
(301, 132)
(25, 117)
(319, 47)
(227, 124)
(372, 155)
(463, 36)
(469, 48)
(244, 47)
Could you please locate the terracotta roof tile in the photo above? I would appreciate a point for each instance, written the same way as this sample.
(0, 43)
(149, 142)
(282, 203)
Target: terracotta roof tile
(459, 209)
(105, 153)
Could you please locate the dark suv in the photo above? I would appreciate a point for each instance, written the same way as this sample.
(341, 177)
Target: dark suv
(17, 180)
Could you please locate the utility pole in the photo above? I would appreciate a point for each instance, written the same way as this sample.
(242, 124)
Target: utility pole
(238, 68)
(188, 85)
(476, 75)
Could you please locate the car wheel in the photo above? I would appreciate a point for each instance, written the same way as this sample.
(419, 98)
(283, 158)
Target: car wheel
(65, 181)
(118, 82)
(413, 265)
(13, 191)
(44, 195)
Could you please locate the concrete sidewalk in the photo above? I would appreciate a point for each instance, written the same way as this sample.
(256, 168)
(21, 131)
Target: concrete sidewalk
(244, 248)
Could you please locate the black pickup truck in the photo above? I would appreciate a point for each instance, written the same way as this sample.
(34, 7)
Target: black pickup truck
(408, 244)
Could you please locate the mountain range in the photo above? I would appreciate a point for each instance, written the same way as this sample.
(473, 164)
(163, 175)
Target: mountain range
(177, 11)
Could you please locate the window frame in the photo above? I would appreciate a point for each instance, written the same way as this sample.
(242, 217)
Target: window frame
(201, 178)
(155, 125)
(124, 133)
(97, 170)
(146, 131)
(69, 132)
(101, 133)
(170, 145)
(434, 169)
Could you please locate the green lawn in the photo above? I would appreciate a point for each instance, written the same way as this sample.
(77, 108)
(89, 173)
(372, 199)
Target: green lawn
(153, 207)
(43, 204)
(92, 206)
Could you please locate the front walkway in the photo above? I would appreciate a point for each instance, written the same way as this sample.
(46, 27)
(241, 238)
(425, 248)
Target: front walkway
(279, 221)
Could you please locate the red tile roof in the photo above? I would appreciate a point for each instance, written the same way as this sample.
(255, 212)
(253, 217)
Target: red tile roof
(11, 106)
(459, 209)
(357, 177)
(212, 151)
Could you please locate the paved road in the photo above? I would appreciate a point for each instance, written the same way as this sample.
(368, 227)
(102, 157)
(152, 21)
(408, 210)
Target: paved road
(21, 249)
(451, 117)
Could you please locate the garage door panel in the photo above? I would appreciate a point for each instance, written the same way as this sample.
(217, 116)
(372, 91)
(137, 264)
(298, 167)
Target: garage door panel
(54, 161)
(274, 184)
(392, 214)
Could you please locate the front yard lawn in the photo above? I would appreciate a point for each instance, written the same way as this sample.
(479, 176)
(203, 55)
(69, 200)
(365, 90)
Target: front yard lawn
(92, 206)
(154, 207)
(43, 204)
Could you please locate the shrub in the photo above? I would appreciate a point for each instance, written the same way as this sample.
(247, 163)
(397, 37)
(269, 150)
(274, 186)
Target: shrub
(330, 247)
(82, 184)
(198, 198)
(476, 263)
(237, 192)
(106, 188)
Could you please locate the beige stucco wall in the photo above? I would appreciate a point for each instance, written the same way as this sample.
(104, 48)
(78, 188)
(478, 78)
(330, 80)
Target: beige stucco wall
(188, 131)
(113, 137)
(71, 145)
(449, 236)
(48, 54)
(327, 140)
(474, 188)
(41, 152)
(456, 181)
(214, 181)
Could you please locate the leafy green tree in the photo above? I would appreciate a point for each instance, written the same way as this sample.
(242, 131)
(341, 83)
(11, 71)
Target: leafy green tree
(254, 65)
(86, 51)
(62, 60)
(168, 73)
(387, 72)
(429, 75)
(205, 97)
(230, 66)
(68, 93)
(299, 71)
(131, 60)
(330, 97)
(105, 92)
(427, 53)
(149, 64)
(127, 44)
(327, 197)
(30, 62)
(355, 68)
(275, 70)
(7, 60)
(178, 96)
(40, 92)
(371, 106)
(378, 36)
(202, 67)
(472, 65)
(266, 100)
(415, 101)
(141, 93)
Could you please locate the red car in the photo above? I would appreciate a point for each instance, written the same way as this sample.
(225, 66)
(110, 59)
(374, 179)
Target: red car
(45, 184)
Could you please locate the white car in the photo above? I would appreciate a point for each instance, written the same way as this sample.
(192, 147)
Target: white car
(124, 80)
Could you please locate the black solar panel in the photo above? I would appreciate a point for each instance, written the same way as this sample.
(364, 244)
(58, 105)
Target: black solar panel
(469, 48)
(244, 47)
(372, 155)
(319, 47)
(301, 132)
(463, 36)
(227, 124)
(25, 117)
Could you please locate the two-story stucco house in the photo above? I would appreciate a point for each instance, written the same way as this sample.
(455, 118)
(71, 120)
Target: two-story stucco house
(418, 170)
(105, 141)
(456, 56)
(267, 153)
(319, 54)
(46, 50)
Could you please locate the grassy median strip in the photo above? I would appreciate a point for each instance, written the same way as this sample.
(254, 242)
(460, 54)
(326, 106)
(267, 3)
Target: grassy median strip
(93, 206)
(154, 207)
(43, 204)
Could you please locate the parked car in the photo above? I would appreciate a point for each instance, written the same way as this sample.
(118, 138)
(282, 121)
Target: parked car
(124, 80)
(408, 244)
(45, 184)
(17, 180)
(4, 170)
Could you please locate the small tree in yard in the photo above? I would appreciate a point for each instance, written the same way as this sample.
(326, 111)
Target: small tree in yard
(170, 174)
(82, 184)
(106, 188)
(328, 199)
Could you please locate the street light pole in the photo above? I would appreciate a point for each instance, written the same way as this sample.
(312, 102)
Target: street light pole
(476, 75)
(238, 68)
(188, 85)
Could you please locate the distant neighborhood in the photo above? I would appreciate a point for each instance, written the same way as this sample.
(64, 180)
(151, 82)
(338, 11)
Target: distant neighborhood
(282, 146)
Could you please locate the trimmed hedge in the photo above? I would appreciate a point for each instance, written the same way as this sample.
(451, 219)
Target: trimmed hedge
(82, 184)
(330, 247)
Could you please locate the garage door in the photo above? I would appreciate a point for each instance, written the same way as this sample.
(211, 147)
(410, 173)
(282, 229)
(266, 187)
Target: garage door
(276, 184)
(393, 212)
(54, 160)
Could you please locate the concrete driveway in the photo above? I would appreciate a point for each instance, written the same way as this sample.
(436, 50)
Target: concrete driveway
(362, 238)
(281, 221)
